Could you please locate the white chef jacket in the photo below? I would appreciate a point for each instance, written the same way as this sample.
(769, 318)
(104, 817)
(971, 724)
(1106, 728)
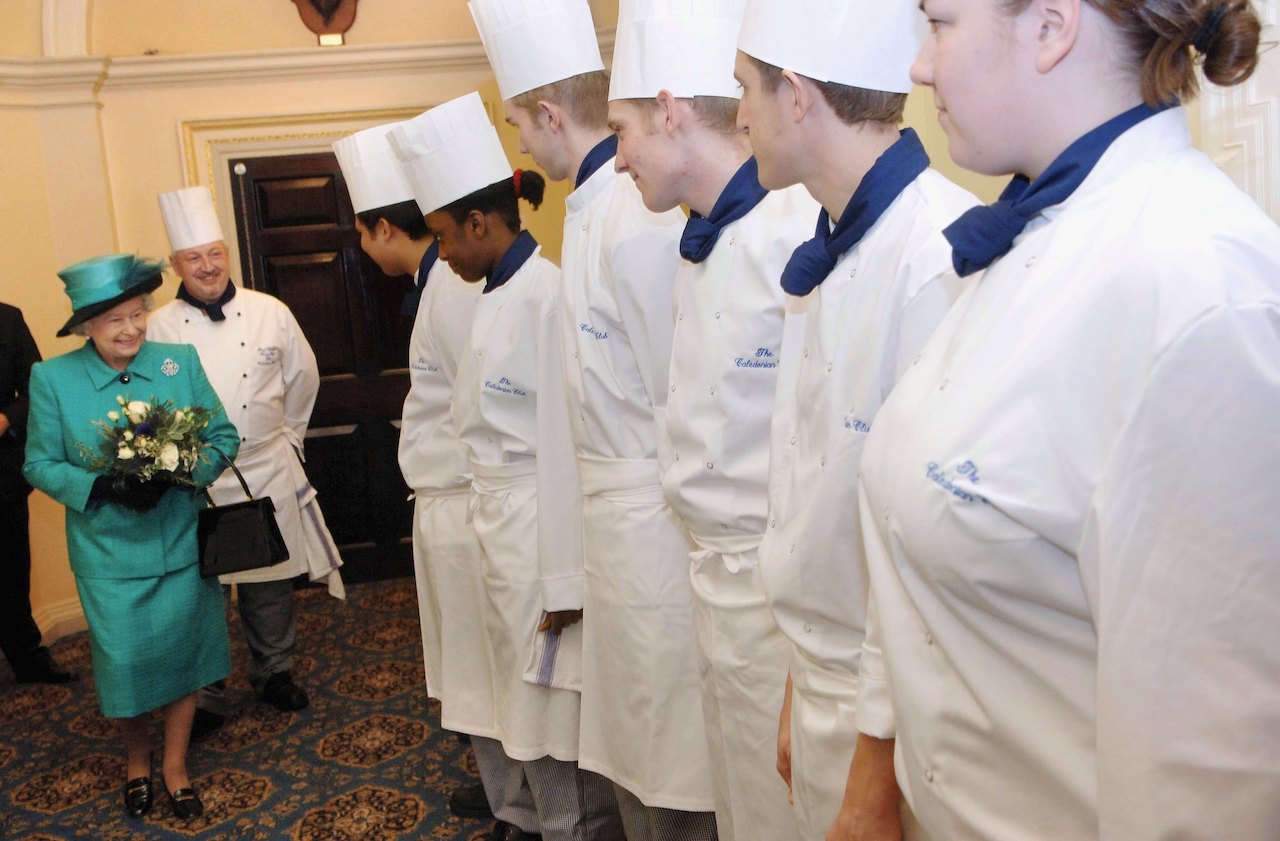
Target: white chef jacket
(265, 373)
(724, 364)
(510, 412)
(847, 341)
(448, 567)
(619, 264)
(431, 457)
(641, 715)
(1071, 523)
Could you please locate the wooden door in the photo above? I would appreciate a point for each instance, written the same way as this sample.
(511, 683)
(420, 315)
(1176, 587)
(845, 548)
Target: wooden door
(298, 242)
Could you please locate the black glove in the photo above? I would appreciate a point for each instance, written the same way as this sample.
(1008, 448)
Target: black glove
(129, 491)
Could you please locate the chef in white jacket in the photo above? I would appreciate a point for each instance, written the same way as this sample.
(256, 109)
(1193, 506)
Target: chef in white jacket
(265, 373)
(864, 295)
(510, 413)
(446, 554)
(674, 106)
(1070, 498)
(641, 718)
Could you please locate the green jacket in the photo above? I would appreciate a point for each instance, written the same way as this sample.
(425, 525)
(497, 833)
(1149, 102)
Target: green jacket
(69, 393)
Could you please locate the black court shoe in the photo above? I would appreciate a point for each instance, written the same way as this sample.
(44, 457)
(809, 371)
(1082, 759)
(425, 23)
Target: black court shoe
(138, 797)
(186, 803)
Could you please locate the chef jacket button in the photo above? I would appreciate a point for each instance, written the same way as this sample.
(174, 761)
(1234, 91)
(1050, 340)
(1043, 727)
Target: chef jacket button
(244, 376)
(793, 439)
(575, 354)
(584, 227)
(713, 392)
(479, 353)
(489, 439)
(724, 526)
(677, 456)
(853, 271)
(673, 388)
(928, 775)
(915, 361)
(717, 315)
(928, 637)
(828, 366)
(793, 548)
(242, 344)
(186, 321)
(732, 240)
(680, 317)
(1031, 261)
(886, 513)
(710, 465)
(244, 405)
(806, 353)
(822, 462)
(243, 439)
(773, 524)
(808, 629)
(943, 386)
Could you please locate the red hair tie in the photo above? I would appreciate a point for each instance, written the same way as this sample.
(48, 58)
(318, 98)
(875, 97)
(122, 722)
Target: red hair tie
(515, 180)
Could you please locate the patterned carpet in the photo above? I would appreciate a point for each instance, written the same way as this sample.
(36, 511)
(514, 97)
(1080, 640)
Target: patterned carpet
(367, 760)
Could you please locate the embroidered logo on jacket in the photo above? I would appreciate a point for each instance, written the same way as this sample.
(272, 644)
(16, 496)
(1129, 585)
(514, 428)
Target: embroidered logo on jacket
(600, 335)
(960, 486)
(505, 386)
(269, 355)
(762, 358)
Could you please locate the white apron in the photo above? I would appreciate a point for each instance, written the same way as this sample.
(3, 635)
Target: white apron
(533, 721)
(449, 571)
(264, 371)
(743, 660)
(641, 712)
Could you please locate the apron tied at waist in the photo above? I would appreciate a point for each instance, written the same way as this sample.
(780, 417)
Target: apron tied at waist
(617, 476)
(495, 479)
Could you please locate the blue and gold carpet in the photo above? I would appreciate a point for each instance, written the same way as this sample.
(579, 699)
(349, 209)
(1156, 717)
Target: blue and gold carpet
(367, 760)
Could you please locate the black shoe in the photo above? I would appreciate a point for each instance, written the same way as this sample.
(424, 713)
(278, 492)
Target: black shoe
(503, 831)
(138, 797)
(282, 693)
(44, 670)
(204, 724)
(186, 804)
(470, 802)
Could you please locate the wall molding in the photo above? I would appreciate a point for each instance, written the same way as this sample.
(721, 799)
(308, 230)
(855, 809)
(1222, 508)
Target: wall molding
(51, 82)
(59, 619)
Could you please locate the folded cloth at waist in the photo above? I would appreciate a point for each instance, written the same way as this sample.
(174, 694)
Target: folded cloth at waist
(604, 476)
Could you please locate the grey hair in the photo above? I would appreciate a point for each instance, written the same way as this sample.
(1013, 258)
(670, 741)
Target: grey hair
(82, 329)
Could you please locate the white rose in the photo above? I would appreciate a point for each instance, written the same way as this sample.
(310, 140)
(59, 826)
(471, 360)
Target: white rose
(168, 458)
(120, 399)
(137, 410)
(177, 416)
(128, 436)
(124, 453)
(113, 416)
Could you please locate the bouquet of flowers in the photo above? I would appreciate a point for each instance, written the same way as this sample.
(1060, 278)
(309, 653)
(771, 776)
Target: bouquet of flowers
(150, 441)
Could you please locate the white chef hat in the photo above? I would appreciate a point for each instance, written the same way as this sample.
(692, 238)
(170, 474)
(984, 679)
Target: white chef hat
(685, 46)
(862, 43)
(373, 174)
(532, 43)
(449, 152)
(189, 217)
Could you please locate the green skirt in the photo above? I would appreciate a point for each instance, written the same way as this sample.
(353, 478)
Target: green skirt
(154, 640)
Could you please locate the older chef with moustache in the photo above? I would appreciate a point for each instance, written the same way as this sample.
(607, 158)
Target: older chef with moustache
(264, 371)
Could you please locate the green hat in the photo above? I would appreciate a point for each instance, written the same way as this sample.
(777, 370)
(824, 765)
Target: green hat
(99, 283)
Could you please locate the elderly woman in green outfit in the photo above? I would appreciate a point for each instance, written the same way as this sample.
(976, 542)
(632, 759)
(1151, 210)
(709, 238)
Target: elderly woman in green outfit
(156, 628)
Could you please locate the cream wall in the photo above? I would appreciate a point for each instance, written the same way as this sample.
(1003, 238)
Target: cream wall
(20, 27)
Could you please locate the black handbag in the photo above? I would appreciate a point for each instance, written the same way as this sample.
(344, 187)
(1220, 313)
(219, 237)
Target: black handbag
(240, 536)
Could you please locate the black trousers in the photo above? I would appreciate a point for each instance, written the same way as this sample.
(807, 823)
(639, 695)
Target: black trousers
(19, 635)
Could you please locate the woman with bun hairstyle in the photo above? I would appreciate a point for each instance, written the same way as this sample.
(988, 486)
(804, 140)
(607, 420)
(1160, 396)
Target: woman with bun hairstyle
(511, 415)
(1070, 498)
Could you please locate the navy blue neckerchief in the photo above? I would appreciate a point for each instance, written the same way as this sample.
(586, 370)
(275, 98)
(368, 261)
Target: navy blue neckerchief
(414, 296)
(740, 196)
(213, 310)
(510, 262)
(983, 234)
(601, 154)
(900, 164)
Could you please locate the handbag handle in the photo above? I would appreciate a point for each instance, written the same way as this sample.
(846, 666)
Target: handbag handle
(234, 470)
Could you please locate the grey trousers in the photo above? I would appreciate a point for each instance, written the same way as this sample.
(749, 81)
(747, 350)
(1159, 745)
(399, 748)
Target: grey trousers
(649, 823)
(505, 785)
(573, 805)
(270, 621)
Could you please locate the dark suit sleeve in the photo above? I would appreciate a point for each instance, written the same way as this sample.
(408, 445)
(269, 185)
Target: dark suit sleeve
(17, 404)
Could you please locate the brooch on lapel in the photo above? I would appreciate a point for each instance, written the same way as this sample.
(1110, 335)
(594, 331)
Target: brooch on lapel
(169, 368)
